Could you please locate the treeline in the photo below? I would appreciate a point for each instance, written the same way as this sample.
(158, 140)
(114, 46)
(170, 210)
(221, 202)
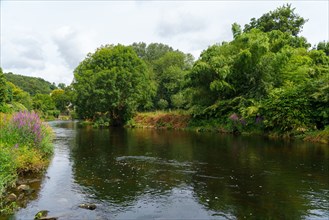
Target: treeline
(116, 81)
(32, 85)
(267, 79)
(21, 93)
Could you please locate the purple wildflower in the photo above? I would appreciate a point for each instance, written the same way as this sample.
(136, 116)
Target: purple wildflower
(259, 119)
(29, 126)
(234, 117)
(242, 121)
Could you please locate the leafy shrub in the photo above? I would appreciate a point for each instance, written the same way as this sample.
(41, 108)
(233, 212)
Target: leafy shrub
(162, 104)
(287, 110)
(131, 123)
(28, 160)
(178, 100)
(102, 121)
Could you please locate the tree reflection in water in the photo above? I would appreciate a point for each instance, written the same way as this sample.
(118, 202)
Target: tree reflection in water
(220, 175)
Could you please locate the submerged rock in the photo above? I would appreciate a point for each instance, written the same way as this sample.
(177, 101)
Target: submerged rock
(21, 196)
(23, 188)
(26, 189)
(12, 197)
(88, 206)
(48, 218)
(41, 214)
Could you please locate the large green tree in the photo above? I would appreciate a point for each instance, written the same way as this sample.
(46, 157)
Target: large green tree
(113, 82)
(267, 74)
(170, 71)
(60, 99)
(233, 69)
(324, 46)
(169, 68)
(151, 52)
(283, 18)
(44, 104)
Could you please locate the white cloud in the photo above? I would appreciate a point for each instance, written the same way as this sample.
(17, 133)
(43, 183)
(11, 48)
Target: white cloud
(57, 73)
(72, 45)
(48, 39)
(22, 52)
(174, 24)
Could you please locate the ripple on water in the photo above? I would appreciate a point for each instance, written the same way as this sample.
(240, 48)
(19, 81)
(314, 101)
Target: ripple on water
(154, 160)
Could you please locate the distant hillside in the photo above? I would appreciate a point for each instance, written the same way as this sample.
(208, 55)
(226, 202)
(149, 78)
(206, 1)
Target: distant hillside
(32, 85)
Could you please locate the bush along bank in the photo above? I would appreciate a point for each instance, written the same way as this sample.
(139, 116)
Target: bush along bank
(232, 124)
(25, 147)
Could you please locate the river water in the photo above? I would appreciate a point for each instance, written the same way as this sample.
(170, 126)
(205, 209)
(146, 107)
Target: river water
(167, 174)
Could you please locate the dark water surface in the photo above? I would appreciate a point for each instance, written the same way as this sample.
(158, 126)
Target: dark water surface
(161, 174)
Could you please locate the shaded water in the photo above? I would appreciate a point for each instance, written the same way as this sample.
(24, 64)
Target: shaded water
(160, 174)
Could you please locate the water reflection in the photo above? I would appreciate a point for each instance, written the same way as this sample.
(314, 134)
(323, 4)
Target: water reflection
(150, 174)
(213, 174)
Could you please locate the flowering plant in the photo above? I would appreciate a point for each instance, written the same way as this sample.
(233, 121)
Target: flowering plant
(30, 130)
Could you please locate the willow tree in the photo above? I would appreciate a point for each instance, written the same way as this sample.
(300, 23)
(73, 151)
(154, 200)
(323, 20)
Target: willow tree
(113, 82)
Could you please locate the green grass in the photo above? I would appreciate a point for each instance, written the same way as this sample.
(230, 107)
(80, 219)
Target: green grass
(321, 136)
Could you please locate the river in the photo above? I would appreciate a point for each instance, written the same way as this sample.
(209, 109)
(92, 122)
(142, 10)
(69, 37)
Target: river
(168, 174)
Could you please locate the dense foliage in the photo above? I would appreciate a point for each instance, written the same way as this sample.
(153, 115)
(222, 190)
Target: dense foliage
(32, 85)
(264, 77)
(112, 83)
(43, 97)
(170, 68)
(12, 98)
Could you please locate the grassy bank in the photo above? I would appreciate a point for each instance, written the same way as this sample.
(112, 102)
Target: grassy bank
(25, 146)
(318, 136)
(183, 120)
(160, 119)
(180, 120)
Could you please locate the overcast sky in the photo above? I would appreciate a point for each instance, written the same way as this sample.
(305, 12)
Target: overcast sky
(48, 39)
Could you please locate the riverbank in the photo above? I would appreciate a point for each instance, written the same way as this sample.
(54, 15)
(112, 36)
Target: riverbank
(25, 147)
(160, 119)
(183, 120)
